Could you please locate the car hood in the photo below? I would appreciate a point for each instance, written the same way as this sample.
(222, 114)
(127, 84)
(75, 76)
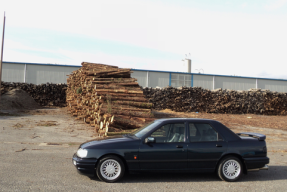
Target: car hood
(104, 140)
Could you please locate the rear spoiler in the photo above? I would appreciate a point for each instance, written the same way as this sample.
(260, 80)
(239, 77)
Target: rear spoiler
(259, 136)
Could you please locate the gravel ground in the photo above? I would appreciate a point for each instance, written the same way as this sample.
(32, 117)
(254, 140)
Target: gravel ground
(36, 150)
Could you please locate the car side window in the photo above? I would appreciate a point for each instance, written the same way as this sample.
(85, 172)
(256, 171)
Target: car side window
(202, 132)
(170, 133)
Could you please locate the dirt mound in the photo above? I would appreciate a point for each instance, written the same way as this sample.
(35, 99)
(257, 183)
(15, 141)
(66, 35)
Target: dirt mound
(17, 99)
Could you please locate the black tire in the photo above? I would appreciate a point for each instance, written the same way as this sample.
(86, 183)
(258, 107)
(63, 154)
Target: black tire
(110, 169)
(230, 169)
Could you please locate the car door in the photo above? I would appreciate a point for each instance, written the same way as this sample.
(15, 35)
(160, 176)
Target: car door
(168, 152)
(205, 147)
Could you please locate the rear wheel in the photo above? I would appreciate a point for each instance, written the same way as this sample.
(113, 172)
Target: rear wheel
(110, 169)
(230, 169)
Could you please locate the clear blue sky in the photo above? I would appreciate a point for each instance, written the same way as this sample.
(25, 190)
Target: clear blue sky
(229, 37)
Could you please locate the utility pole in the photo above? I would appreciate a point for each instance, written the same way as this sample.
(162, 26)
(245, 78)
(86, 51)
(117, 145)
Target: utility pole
(2, 54)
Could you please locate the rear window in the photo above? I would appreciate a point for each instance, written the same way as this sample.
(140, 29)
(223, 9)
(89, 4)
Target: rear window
(202, 132)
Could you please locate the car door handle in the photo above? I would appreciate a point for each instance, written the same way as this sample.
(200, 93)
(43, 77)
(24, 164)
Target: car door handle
(218, 145)
(179, 146)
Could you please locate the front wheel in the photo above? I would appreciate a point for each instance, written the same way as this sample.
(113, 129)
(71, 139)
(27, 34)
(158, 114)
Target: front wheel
(110, 169)
(230, 169)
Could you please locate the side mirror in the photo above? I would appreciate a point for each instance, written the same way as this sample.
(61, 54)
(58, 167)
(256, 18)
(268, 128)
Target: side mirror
(150, 140)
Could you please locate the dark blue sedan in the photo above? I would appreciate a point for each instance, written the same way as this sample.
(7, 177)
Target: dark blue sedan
(178, 144)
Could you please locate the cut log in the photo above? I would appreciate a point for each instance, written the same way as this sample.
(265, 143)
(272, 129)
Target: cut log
(98, 93)
(106, 91)
(127, 123)
(128, 113)
(122, 98)
(132, 103)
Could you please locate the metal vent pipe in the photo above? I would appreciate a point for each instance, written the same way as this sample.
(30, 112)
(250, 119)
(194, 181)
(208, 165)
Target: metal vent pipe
(188, 63)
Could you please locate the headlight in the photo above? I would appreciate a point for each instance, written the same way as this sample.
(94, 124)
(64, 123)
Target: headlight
(82, 153)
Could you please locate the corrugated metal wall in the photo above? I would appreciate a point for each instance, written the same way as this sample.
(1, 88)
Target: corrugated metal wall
(38, 74)
(204, 81)
(13, 73)
(158, 79)
(141, 77)
(151, 79)
(43, 73)
(272, 85)
(234, 83)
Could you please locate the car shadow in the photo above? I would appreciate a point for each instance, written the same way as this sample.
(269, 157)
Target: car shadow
(168, 177)
(95, 178)
(274, 173)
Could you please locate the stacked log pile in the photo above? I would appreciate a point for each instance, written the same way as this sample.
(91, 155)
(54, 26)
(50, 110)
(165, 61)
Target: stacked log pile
(196, 99)
(107, 97)
(44, 94)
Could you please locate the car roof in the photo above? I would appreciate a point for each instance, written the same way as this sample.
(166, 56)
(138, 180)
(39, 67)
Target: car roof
(183, 119)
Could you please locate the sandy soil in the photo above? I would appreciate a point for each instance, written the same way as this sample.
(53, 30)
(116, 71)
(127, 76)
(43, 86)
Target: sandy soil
(17, 99)
(232, 120)
(36, 148)
(274, 127)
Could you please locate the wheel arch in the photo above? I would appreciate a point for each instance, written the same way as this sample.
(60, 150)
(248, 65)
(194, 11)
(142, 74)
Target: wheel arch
(235, 155)
(117, 155)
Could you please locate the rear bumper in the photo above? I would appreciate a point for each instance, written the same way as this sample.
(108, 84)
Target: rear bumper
(84, 166)
(256, 163)
(266, 167)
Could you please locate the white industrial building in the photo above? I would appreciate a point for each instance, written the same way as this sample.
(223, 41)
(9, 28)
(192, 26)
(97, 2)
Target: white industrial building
(42, 73)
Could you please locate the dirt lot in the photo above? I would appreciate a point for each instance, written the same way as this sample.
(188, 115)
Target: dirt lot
(36, 148)
(233, 120)
(274, 127)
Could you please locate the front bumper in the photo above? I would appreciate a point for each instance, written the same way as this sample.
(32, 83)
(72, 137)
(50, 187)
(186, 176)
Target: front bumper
(256, 163)
(84, 166)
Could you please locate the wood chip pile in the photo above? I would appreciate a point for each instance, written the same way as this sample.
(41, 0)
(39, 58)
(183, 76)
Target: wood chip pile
(44, 94)
(196, 99)
(107, 97)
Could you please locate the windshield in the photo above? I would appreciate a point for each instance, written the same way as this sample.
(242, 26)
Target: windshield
(145, 129)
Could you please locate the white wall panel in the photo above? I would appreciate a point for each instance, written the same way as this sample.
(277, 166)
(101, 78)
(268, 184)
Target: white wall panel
(13, 72)
(41, 73)
(234, 83)
(141, 77)
(273, 85)
(204, 81)
(38, 74)
(158, 79)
